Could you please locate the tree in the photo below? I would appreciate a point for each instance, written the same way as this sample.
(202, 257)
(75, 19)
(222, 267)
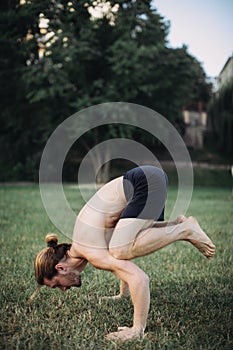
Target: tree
(220, 112)
(17, 125)
(148, 72)
(62, 59)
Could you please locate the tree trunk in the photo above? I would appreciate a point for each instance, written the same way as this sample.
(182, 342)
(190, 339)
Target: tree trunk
(103, 175)
(100, 161)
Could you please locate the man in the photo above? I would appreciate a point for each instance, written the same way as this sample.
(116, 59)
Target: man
(120, 222)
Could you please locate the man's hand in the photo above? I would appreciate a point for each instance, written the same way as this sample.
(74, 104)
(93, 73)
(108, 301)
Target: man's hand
(113, 297)
(126, 333)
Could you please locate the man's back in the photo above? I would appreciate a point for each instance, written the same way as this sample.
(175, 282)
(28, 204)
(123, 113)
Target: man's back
(100, 213)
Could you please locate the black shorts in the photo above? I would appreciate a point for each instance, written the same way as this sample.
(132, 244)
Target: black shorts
(145, 190)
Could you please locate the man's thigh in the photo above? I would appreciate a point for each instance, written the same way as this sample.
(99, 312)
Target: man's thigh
(127, 230)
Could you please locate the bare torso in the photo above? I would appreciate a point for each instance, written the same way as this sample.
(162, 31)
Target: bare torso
(99, 216)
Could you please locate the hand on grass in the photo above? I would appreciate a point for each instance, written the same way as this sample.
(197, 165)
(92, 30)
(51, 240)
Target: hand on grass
(113, 297)
(125, 333)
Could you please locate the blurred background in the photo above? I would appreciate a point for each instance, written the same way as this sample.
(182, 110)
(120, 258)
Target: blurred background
(60, 56)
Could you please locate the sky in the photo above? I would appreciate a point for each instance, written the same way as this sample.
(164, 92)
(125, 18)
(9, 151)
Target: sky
(205, 26)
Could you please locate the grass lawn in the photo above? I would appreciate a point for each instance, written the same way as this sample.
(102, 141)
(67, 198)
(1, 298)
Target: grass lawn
(191, 297)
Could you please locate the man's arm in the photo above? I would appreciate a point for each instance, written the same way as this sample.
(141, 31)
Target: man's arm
(138, 283)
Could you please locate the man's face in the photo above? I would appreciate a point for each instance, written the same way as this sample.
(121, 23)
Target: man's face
(64, 280)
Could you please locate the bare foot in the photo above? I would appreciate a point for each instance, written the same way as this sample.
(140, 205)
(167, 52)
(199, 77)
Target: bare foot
(200, 239)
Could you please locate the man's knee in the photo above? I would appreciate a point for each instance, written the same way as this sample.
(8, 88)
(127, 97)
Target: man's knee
(120, 253)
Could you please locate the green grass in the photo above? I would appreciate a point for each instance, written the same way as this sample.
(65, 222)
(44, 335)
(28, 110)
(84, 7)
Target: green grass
(191, 297)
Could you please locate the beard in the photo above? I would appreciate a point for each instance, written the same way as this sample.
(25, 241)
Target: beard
(73, 279)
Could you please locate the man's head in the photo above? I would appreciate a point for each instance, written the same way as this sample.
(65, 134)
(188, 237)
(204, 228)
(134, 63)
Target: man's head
(52, 268)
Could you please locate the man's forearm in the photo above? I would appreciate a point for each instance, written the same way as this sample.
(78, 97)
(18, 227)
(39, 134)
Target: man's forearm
(140, 294)
(138, 283)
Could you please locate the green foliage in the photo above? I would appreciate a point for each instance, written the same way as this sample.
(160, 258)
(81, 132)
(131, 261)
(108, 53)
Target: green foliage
(220, 112)
(191, 297)
(57, 59)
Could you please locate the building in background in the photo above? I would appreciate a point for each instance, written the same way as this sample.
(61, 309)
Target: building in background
(226, 75)
(195, 119)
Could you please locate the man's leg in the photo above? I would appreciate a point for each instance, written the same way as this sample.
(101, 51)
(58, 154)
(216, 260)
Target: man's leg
(135, 237)
(178, 220)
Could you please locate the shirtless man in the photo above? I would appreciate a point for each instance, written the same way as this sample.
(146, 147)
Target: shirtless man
(122, 221)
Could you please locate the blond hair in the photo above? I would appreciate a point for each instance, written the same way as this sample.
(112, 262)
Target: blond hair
(49, 257)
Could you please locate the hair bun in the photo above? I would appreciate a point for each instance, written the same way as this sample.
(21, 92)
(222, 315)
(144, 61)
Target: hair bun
(51, 239)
